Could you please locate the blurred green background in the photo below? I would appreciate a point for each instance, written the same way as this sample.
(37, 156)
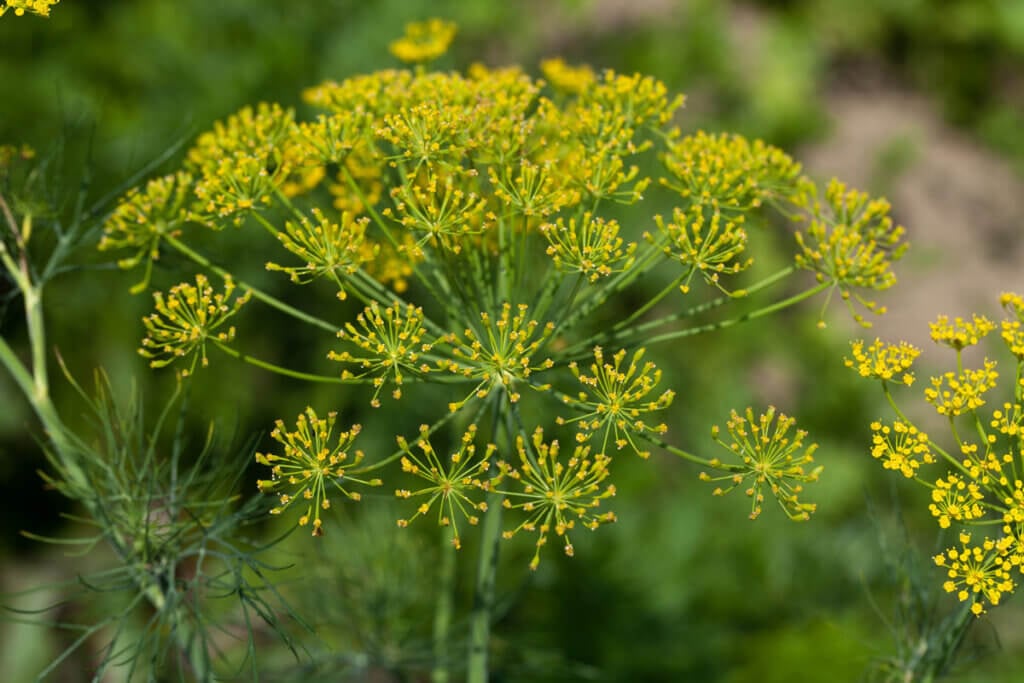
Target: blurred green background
(920, 100)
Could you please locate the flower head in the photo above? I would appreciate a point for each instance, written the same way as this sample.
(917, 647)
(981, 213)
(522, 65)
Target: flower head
(455, 483)
(591, 247)
(851, 243)
(728, 173)
(424, 41)
(393, 342)
(956, 500)
(568, 79)
(314, 455)
(555, 494)
(143, 218)
(40, 7)
(886, 362)
(958, 393)
(330, 249)
(769, 457)
(901, 447)
(978, 573)
(186, 318)
(705, 242)
(617, 399)
(958, 333)
(500, 352)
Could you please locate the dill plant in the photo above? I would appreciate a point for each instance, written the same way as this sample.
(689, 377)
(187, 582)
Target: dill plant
(475, 231)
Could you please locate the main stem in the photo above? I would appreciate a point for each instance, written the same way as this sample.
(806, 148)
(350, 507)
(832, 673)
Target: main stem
(443, 610)
(483, 595)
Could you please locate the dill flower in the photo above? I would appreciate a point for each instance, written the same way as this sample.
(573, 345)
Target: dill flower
(956, 500)
(530, 189)
(769, 456)
(555, 494)
(977, 573)
(314, 455)
(443, 210)
(424, 41)
(239, 164)
(709, 245)
(886, 362)
(958, 333)
(330, 249)
(186, 318)
(143, 218)
(591, 247)
(455, 482)
(851, 242)
(957, 393)
(617, 401)
(393, 341)
(500, 353)
(728, 173)
(568, 79)
(901, 447)
(40, 7)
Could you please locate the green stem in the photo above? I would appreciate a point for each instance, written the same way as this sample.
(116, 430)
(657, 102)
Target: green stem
(710, 327)
(443, 609)
(487, 564)
(257, 293)
(483, 595)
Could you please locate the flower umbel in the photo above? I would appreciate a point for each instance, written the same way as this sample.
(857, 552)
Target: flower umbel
(555, 494)
(143, 218)
(330, 249)
(424, 41)
(618, 400)
(40, 7)
(900, 447)
(313, 457)
(186, 319)
(455, 482)
(886, 362)
(393, 340)
(770, 456)
(977, 573)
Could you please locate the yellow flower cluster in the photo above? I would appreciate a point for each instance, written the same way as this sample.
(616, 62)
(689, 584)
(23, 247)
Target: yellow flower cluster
(958, 333)
(40, 7)
(770, 458)
(710, 246)
(143, 218)
(728, 173)
(454, 483)
(886, 362)
(313, 457)
(983, 483)
(499, 353)
(978, 573)
(186, 319)
(555, 493)
(393, 342)
(591, 246)
(618, 399)
(851, 242)
(958, 393)
(424, 41)
(900, 447)
(328, 248)
(569, 79)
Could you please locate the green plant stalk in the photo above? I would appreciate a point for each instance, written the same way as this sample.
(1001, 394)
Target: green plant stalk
(37, 391)
(443, 609)
(483, 595)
